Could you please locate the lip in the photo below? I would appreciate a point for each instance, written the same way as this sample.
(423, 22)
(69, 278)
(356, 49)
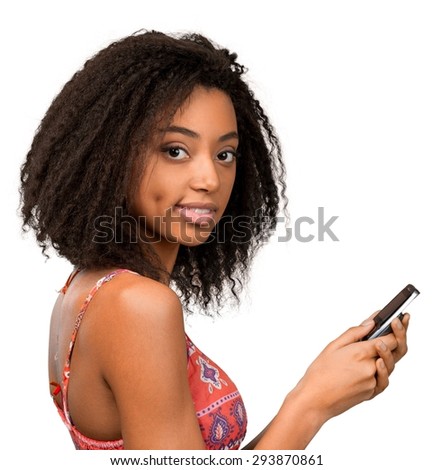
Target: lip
(188, 213)
(198, 205)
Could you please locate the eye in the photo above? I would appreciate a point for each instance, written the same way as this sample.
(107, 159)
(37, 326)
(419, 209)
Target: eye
(227, 156)
(175, 152)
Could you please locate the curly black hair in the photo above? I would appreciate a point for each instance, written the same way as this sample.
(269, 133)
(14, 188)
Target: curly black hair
(85, 161)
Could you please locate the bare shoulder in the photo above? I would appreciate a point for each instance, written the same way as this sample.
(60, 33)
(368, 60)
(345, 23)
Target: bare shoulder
(130, 294)
(129, 315)
(141, 317)
(137, 292)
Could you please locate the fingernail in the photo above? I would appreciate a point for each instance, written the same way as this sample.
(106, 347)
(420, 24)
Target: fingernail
(368, 323)
(383, 346)
(399, 324)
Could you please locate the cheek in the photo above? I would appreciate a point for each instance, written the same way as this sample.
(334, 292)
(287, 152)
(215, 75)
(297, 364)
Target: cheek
(158, 197)
(152, 200)
(155, 187)
(230, 182)
(147, 199)
(226, 189)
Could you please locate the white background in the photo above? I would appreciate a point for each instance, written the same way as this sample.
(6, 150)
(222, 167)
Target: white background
(348, 86)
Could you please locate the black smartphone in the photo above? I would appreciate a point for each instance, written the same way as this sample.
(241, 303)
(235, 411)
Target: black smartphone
(393, 309)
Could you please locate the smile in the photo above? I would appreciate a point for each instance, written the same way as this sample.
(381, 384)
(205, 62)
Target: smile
(197, 215)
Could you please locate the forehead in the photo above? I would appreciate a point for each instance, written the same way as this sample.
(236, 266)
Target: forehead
(208, 106)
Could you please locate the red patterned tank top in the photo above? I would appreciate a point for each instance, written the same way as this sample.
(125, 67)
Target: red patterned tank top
(219, 407)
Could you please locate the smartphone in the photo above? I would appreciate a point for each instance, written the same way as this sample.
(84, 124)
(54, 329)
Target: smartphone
(393, 309)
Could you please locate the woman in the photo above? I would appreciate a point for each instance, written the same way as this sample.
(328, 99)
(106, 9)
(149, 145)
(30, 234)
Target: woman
(157, 174)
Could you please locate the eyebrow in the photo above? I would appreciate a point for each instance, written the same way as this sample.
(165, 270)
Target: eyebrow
(195, 135)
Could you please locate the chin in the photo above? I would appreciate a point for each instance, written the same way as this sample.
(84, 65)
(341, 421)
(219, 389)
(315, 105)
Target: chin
(192, 236)
(194, 240)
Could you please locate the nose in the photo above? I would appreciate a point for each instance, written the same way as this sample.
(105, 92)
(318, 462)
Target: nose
(204, 175)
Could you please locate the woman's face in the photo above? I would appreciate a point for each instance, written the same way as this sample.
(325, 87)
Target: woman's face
(191, 171)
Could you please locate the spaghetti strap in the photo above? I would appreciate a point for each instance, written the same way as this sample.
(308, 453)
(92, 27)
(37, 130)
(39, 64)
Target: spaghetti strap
(66, 369)
(68, 281)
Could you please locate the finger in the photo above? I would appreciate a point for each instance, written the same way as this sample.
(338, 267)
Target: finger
(390, 340)
(382, 377)
(352, 335)
(406, 320)
(371, 316)
(399, 330)
(386, 354)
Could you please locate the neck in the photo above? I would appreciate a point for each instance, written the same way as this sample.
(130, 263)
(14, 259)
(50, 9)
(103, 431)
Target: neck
(167, 253)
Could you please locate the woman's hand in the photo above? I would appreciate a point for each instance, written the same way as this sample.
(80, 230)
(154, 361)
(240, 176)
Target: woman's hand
(350, 371)
(347, 372)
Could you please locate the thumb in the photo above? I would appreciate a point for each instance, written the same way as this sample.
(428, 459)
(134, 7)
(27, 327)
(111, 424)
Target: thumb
(354, 334)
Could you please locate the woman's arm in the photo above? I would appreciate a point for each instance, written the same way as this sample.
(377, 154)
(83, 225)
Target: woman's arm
(143, 360)
(346, 373)
(142, 355)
